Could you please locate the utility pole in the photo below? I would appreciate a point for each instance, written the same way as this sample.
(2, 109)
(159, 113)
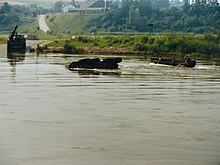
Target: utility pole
(150, 26)
(82, 13)
(105, 5)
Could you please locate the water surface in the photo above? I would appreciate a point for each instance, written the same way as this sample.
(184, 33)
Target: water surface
(140, 114)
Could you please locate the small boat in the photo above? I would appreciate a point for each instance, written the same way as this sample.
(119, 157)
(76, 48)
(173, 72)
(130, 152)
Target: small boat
(173, 62)
(16, 43)
(96, 63)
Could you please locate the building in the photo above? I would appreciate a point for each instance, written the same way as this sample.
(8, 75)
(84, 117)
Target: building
(67, 7)
(33, 6)
(104, 4)
(98, 5)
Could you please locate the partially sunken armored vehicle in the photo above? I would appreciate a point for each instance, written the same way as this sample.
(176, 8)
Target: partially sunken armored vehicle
(96, 63)
(16, 43)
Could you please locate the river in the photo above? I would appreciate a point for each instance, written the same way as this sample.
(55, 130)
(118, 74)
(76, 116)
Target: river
(138, 115)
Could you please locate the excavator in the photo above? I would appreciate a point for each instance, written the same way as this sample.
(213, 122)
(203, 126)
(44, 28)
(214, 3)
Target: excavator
(16, 43)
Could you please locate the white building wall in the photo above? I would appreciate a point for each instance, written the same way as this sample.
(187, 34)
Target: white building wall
(66, 8)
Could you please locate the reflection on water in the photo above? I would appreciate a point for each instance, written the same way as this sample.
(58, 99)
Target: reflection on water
(92, 72)
(13, 58)
(138, 114)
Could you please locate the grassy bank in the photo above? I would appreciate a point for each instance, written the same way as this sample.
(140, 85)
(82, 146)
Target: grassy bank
(3, 41)
(170, 43)
(68, 24)
(31, 28)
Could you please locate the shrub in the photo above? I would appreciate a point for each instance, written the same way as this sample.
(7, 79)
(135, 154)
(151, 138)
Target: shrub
(93, 30)
(151, 40)
(111, 29)
(96, 44)
(69, 49)
(144, 39)
(84, 39)
(2, 41)
(140, 47)
(116, 41)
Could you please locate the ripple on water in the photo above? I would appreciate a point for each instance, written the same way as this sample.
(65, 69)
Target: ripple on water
(167, 114)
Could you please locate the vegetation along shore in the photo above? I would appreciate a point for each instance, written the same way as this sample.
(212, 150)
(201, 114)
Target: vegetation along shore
(170, 43)
(2, 40)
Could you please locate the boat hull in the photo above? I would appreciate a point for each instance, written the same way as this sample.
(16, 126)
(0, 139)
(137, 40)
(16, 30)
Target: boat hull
(171, 62)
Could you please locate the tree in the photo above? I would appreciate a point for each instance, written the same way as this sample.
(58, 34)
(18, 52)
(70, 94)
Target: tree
(136, 15)
(203, 2)
(6, 8)
(145, 8)
(126, 4)
(73, 3)
(158, 4)
(213, 3)
(186, 5)
(58, 7)
(197, 3)
(135, 20)
(131, 16)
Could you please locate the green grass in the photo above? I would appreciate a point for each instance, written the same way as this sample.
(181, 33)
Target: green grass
(171, 43)
(30, 27)
(68, 24)
(3, 41)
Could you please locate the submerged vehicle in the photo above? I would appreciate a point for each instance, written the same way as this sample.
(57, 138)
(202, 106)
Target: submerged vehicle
(16, 43)
(96, 63)
(187, 62)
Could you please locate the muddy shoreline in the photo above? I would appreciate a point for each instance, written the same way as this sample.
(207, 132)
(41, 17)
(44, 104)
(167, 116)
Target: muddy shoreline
(94, 50)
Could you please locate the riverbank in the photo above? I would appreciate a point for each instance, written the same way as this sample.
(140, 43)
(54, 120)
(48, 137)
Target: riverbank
(86, 50)
(169, 44)
(3, 39)
(175, 44)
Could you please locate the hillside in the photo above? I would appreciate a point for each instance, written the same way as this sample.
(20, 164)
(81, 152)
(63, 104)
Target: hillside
(69, 23)
(40, 3)
(32, 1)
(23, 16)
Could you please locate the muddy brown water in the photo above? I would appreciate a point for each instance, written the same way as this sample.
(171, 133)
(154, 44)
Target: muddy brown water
(138, 115)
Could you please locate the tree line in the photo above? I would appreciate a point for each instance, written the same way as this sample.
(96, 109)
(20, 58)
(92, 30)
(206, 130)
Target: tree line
(11, 15)
(202, 16)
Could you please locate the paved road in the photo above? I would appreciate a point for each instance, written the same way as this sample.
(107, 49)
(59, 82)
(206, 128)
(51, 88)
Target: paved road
(42, 23)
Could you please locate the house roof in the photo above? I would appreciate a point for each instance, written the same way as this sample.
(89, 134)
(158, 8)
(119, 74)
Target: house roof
(100, 4)
(68, 5)
(83, 4)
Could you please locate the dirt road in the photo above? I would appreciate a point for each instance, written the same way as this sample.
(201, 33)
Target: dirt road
(34, 43)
